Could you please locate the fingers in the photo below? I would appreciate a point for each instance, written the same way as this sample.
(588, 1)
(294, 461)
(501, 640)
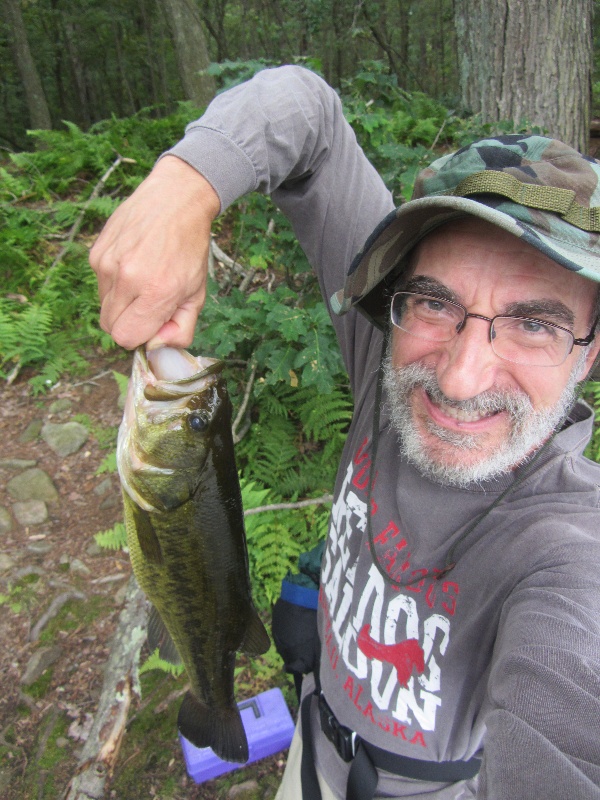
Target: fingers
(174, 326)
(151, 259)
(178, 331)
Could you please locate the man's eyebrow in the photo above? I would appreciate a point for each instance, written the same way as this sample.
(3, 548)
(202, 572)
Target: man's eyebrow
(550, 310)
(425, 285)
(546, 309)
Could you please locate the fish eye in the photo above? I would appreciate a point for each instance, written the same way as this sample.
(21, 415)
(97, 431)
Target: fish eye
(198, 422)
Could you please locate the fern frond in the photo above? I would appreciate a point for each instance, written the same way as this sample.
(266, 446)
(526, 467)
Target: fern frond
(154, 661)
(108, 463)
(112, 539)
(324, 416)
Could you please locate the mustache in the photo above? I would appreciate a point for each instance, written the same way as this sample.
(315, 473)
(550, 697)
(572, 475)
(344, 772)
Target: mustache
(514, 402)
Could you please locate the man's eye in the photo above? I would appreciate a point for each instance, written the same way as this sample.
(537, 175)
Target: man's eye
(533, 328)
(436, 305)
(432, 307)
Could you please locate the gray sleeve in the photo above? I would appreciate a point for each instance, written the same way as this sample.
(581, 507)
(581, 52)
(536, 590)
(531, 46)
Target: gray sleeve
(543, 729)
(283, 133)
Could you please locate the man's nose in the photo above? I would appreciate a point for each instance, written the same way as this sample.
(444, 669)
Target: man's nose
(468, 365)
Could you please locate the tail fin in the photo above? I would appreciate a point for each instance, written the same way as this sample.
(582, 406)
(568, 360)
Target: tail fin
(219, 728)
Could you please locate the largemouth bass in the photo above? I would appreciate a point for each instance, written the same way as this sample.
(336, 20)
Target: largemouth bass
(186, 538)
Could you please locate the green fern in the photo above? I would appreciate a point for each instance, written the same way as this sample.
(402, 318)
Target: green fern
(114, 538)
(592, 391)
(324, 416)
(108, 463)
(154, 661)
(23, 334)
(276, 538)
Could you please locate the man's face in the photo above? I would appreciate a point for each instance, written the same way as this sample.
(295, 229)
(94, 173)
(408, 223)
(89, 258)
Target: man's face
(464, 413)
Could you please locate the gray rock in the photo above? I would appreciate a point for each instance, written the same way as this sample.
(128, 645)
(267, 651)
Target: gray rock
(94, 549)
(103, 487)
(39, 663)
(32, 431)
(111, 501)
(30, 569)
(6, 562)
(33, 484)
(63, 404)
(39, 548)
(79, 567)
(30, 512)
(16, 464)
(65, 438)
(5, 520)
(248, 790)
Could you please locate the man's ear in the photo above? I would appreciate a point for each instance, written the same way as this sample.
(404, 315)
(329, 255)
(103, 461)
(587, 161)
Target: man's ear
(591, 355)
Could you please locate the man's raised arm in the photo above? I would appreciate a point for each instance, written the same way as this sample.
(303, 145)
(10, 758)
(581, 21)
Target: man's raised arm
(283, 133)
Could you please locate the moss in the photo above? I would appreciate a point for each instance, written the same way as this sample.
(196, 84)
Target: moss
(38, 689)
(76, 613)
(42, 778)
(151, 743)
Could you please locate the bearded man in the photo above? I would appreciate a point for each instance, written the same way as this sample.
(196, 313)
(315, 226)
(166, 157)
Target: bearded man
(459, 611)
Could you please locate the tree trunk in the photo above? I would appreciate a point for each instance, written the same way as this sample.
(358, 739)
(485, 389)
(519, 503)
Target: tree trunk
(191, 51)
(528, 60)
(39, 115)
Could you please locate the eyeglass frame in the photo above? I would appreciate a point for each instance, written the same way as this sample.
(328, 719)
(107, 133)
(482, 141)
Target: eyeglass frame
(585, 342)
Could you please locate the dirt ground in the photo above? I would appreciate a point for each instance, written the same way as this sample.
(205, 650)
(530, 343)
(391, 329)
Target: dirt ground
(43, 725)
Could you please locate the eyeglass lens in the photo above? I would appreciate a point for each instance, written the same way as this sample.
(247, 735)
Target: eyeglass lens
(516, 339)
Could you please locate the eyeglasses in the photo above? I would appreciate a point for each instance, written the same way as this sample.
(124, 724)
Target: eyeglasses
(521, 340)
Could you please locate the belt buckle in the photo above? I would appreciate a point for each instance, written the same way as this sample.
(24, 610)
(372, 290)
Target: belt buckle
(343, 739)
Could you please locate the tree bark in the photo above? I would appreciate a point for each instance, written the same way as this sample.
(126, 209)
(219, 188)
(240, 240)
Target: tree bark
(191, 51)
(39, 115)
(528, 60)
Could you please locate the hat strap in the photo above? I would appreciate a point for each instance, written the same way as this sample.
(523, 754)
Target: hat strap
(543, 198)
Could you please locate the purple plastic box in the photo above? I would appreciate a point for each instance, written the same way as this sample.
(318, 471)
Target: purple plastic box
(269, 728)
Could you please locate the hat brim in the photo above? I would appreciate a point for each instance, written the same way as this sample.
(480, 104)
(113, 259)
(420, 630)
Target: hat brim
(377, 267)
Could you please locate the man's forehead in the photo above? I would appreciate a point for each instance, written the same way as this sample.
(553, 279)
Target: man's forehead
(461, 242)
(459, 253)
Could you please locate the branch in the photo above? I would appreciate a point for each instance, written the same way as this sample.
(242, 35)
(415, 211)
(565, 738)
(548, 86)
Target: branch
(99, 754)
(316, 501)
(244, 406)
(78, 222)
(220, 255)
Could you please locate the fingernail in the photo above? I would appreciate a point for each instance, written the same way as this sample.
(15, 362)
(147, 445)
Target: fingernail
(154, 343)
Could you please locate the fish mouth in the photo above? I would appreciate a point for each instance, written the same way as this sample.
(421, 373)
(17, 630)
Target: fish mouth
(174, 372)
(162, 384)
(168, 378)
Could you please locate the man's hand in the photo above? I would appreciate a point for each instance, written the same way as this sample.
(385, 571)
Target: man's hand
(151, 258)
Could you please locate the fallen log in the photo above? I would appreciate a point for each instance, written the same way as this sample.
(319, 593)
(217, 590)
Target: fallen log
(121, 683)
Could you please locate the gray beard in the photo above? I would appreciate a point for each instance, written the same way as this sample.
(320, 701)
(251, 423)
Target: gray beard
(529, 429)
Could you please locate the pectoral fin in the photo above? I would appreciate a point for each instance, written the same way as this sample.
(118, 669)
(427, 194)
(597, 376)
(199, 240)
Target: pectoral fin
(159, 636)
(256, 639)
(147, 538)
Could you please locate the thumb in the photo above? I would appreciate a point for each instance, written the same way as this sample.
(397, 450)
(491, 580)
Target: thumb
(179, 330)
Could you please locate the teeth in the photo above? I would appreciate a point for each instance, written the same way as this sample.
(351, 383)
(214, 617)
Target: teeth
(462, 416)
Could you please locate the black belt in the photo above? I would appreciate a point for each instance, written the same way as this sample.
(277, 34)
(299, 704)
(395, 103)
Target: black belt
(366, 758)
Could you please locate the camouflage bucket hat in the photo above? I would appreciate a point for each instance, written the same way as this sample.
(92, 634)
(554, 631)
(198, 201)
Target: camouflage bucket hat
(536, 188)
